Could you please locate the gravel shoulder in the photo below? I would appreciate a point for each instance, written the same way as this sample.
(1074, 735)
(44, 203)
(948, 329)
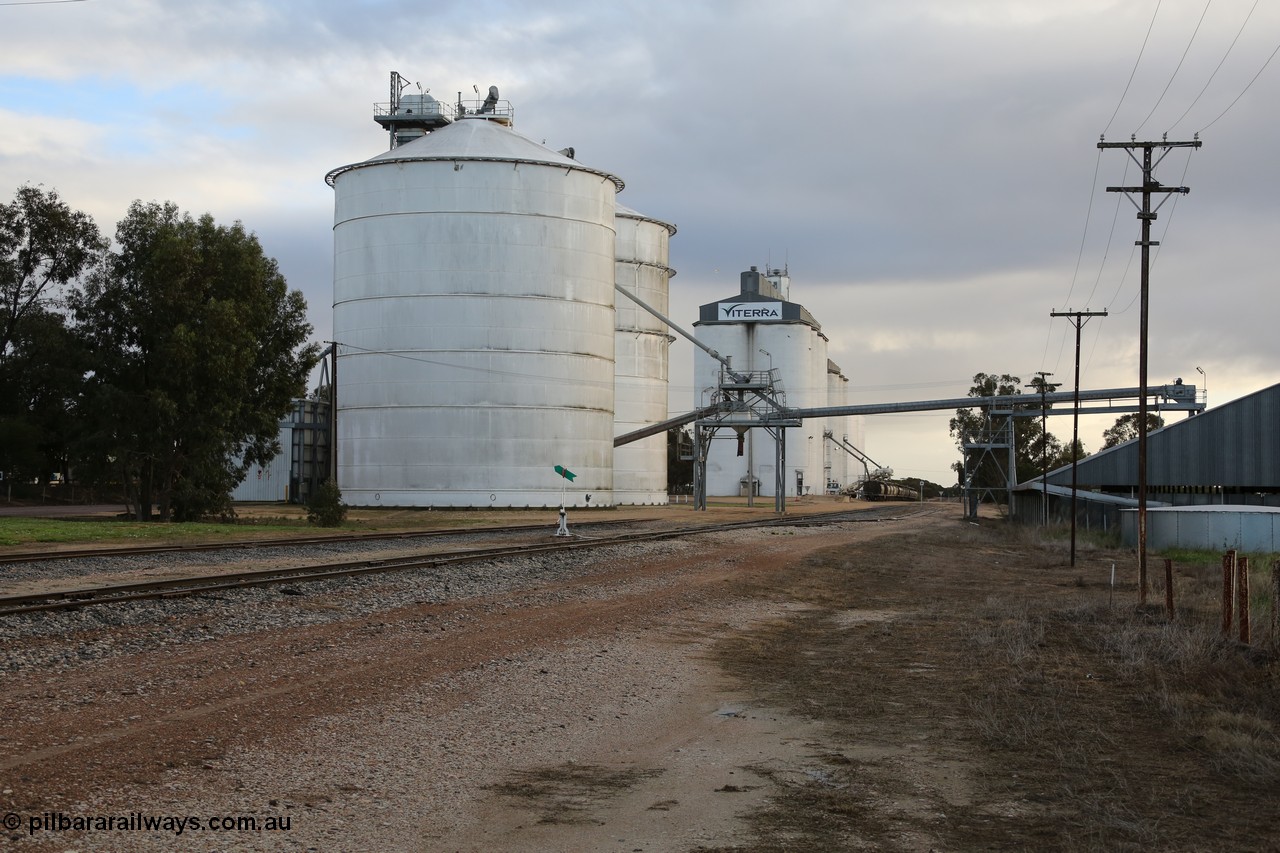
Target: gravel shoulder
(410, 716)
(916, 685)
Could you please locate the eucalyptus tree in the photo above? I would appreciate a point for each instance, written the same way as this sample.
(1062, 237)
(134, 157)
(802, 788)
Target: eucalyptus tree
(40, 384)
(198, 348)
(1126, 429)
(1031, 442)
(45, 246)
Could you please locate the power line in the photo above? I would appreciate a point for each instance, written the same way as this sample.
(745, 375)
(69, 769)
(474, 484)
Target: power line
(1062, 345)
(1048, 338)
(1106, 253)
(1183, 59)
(1115, 215)
(1136, 63)
(1246, 88)
(1168, 223)
(1128, 266)
(1085, 233)
(1129, 304)
(38, 2)
(1230, 47)
(1071, 290)
(1097, 336)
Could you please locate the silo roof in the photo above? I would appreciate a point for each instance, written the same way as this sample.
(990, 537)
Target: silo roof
(627, 213)
(475, 140)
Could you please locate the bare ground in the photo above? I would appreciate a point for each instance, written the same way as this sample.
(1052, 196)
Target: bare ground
(918, 685)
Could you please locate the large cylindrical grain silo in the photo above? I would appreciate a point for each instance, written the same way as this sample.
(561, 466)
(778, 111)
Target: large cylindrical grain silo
(641, 356)
(474, 316)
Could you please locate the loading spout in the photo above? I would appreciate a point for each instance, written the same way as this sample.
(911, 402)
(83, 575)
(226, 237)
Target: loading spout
(671, 324)
(867, 461)
(663, 426)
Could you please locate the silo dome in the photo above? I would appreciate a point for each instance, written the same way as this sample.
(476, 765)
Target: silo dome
(474, 316)
(641, 357)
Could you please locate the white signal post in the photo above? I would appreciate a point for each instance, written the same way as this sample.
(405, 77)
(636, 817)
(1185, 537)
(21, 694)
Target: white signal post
(565, 476)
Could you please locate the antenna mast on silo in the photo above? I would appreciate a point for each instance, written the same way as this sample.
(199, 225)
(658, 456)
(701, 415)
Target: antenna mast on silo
(408, 117)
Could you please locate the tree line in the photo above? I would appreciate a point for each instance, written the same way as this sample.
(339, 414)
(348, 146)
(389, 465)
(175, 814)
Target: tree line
(158, 363)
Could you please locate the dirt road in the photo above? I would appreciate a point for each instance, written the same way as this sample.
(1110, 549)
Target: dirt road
(856, 687)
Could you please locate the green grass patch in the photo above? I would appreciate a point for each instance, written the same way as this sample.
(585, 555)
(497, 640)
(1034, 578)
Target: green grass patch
(27, 531)
(1188, 556)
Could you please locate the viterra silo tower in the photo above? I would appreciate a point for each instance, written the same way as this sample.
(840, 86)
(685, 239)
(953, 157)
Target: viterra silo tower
(641, 356)
(474, 318)
(763, 331)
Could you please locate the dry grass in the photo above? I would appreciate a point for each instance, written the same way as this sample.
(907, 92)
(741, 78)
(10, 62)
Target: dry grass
(1214, 699)
(1080, 724)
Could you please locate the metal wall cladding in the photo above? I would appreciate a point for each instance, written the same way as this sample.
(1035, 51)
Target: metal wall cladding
(1235, 446)
(641, 350)
(1251, 529)
(642, 251)
(270, 482)
(474, 307)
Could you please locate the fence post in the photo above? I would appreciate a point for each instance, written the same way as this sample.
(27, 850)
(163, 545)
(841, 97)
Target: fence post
(1242, 597)
(1228, 599)
(1275, 603)
(1168, 587)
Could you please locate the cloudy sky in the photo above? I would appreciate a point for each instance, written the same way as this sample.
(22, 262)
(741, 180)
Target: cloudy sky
(928, 169)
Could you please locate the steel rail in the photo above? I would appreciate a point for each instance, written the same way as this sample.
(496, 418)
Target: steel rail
(71, 599)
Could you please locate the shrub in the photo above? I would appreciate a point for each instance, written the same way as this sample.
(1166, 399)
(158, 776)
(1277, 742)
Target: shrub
(204, 494)
(325, 507)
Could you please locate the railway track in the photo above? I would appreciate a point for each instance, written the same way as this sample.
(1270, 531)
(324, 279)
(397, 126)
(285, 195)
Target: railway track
(281, 542)
(68, 599)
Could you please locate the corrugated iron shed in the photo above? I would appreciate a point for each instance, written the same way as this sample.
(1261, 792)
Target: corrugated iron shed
(1234, 448)
(1207, 528)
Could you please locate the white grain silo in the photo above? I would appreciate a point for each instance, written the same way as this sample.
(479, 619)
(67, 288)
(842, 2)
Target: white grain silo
(641, 356)
(759, 330)
(474, 315)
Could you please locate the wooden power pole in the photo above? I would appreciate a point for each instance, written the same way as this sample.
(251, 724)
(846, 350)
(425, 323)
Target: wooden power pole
(1079, 319)
(1146, 215)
